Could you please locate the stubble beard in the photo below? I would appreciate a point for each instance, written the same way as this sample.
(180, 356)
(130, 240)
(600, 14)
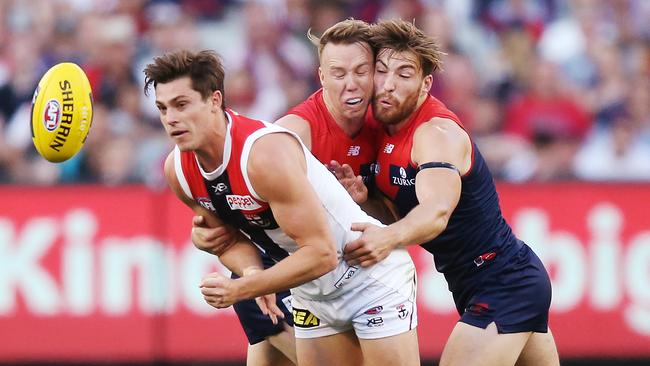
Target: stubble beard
(397, 113)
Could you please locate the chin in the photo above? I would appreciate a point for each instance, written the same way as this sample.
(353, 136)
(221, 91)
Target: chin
(184, 146)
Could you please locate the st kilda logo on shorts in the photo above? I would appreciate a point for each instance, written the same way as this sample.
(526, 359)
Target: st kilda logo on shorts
(303, 318)
(402, 311)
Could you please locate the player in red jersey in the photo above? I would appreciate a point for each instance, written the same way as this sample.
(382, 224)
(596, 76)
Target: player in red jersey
(334, 124)
(445, 197)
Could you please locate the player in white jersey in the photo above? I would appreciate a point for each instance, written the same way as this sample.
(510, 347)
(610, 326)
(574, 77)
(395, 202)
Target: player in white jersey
(260, 179)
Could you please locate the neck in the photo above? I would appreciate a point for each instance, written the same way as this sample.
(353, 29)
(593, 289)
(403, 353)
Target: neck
(210, 152)
(350, 126)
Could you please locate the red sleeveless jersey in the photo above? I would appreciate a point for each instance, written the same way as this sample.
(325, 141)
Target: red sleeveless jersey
(225, 191)
(394, 168)
(329, 142)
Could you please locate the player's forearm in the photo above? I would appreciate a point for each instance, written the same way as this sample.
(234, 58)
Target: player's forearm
(376, 208)
(422, 224)
(306, 264)
(241, 256)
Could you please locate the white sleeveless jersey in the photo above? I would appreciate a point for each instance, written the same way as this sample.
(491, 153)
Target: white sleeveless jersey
(228, 193)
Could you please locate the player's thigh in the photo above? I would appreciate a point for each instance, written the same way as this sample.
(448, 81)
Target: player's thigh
(540, 350)
(285, 342)
(470, 345)
(341, 349)
(265, 354)
(401, 349)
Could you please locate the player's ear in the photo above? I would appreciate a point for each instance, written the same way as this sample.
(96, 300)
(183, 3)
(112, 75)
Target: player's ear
(427, 83)
(320, 75)
(217, 101)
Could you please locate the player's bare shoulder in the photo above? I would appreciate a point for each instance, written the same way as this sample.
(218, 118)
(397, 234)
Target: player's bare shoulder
(297, 125)
(442, 139)
(274, 159)
(172, 180)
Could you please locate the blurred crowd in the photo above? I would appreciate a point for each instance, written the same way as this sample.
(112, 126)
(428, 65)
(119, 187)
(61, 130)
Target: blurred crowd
(549, 89)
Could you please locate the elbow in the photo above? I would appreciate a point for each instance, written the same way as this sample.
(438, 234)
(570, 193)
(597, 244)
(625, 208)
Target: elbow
(327, 261)
(442, 216)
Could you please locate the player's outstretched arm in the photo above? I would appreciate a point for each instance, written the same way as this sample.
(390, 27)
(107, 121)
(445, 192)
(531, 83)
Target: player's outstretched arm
(278, 173)
(234, 250)
(437, 190)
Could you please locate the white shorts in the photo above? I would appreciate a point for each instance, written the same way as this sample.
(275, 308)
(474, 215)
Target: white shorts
(373, 309)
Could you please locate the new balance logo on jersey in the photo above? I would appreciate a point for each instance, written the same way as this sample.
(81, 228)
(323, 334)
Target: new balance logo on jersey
(303, 318)
(206, 203)
(354, 150)
(237, 202)
(388, 148)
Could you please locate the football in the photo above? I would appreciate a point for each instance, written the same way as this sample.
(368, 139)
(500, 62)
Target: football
(62, 112)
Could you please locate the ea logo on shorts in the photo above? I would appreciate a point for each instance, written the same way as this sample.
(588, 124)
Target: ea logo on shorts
(52, 115)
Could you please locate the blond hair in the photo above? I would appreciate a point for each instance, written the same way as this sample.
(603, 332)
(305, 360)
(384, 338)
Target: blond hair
(347, 31)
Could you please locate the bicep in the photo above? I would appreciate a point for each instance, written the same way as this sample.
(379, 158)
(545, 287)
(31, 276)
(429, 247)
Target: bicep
(281, 179)
(441, 142)
(440, 187)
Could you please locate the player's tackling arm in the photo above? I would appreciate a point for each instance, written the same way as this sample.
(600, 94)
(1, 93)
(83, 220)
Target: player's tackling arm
(437, 189)
(278, 173)
(237, 254)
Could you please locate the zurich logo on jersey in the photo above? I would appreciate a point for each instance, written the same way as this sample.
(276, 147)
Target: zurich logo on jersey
(400, 176)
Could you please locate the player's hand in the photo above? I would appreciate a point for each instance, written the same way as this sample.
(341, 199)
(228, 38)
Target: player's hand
(269, 307)
(219, 290)
(370, 248)
(352, 183)
(212, 240)
(266, 303)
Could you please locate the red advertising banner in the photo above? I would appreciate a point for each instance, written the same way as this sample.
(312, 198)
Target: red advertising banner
(91, 273)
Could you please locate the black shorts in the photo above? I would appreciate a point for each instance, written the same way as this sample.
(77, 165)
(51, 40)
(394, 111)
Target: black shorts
(516, 296)
(256, 325)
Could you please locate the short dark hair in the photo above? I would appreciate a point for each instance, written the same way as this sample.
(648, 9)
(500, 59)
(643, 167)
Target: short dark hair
(346, 32)
(204, 68)
(399, 35)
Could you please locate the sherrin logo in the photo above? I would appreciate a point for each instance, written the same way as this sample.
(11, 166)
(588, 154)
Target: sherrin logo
(52, 115)
(237, 202)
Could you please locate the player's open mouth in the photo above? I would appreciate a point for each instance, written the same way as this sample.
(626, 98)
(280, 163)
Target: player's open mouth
(354, 101)
(385, 103)
(178, 133)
